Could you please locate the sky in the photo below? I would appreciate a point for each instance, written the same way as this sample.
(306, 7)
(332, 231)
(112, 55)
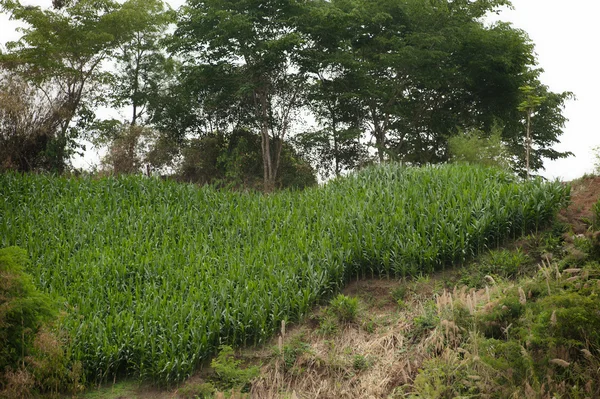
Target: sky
(565, 34)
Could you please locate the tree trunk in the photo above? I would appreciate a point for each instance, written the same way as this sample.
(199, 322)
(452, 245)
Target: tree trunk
(528, 143)
(268, 171)
(336, 146)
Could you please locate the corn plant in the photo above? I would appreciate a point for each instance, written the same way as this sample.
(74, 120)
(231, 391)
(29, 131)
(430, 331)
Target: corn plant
(157, 275)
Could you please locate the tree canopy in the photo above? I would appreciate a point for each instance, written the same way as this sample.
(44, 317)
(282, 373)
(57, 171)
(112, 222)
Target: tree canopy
(337, 83)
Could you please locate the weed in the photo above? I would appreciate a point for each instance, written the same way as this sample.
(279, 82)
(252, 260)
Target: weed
(328, 326)
(401, 304)
(228, 371)
(360, 362)
(399, 293)
(344, 308)
(369, 326)
(427, 320)
(292, 351)
(501, 263)
(201, 390)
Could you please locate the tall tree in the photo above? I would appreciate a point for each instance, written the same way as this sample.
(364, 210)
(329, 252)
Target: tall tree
(529, 104)
(141, 62)
(62, 53)
(421, 71)
(254, 42)
(337, 145)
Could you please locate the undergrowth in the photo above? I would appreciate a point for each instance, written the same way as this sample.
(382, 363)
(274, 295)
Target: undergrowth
(529, 332)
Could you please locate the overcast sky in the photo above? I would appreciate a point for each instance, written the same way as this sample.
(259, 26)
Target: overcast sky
(565, 34)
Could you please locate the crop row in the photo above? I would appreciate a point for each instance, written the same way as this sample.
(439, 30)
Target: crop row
(157, 274)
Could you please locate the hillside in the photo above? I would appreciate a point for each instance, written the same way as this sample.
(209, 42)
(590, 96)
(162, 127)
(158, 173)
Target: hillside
(456, 332)
(156, 276)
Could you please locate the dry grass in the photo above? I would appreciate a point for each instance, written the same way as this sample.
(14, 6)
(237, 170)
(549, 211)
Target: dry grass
(392, 349)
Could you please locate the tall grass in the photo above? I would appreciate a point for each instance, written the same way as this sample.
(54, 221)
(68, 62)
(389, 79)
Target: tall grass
(157, 275)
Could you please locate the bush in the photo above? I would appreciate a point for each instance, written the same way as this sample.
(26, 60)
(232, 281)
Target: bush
(228, 371)
(196, 391)
(476, 147)
(33, 358)
(23, 308)
(344, 308)
(568, 319)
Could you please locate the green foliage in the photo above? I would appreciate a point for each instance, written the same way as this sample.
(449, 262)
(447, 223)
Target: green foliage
(52, 367)
(443, 378)
(61, 54)
(595, 225)
(360, 362)
(202, 390)
(344, 308)
(328, 326)
(292, 351)
(399, 293)
(498, 321)
(23, 308)
(501, 263)
(540, 337)
(178, 270)
(228, 371)
(33, 357)
(568, 319)
(234, 160)
(476, 148)
(427, 320)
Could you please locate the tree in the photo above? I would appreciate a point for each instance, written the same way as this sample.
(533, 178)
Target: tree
(61, 55)
(253, 42)
(142, 66)
(421, 71)
(234, 160)
(529, 104)
(336, 146)
(28, 122)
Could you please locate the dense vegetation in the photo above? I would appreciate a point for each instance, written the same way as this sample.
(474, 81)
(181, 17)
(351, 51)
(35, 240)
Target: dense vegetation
(533, 332)
(156, 275)
(383, 80)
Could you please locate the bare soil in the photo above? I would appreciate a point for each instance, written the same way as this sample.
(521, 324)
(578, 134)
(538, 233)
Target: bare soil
(584, 194)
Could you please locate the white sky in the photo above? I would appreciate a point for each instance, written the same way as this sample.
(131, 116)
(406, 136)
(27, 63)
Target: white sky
(565, 34)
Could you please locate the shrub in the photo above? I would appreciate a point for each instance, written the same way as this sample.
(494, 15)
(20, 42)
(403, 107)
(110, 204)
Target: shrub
(228, 371)
(33, 358)
(344, 308)
(199, 390)
(399, 293)
(23, 308)
(360, 362)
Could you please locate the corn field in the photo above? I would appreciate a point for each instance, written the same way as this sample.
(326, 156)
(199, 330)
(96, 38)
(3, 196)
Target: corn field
(156, 275)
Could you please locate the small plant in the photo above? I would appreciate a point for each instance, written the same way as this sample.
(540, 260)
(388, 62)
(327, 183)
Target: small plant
(427, 320)
(228, 371)
(360, 362)
(401, 304)
(369, 326)
(506, 263)
(344, 308)
(399, 293)
(292, 351)
(327, 326)
(498, 263)
(201, 390)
